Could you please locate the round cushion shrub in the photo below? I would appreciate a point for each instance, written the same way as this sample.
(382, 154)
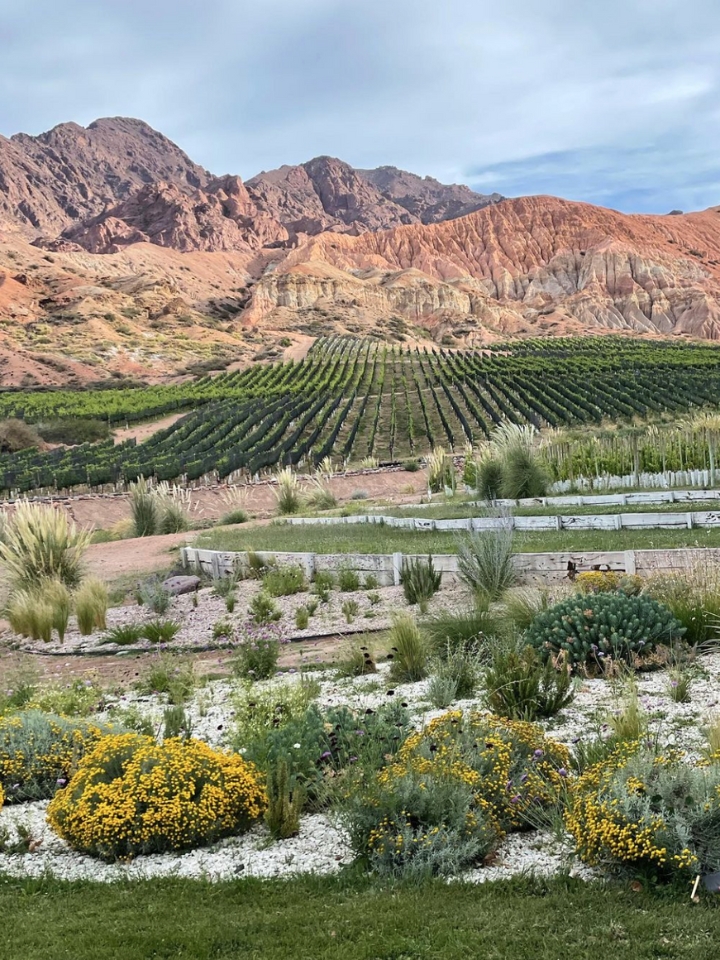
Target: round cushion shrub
(40, 751)
(640, 811)
(132, 796)
(453, 791)
(588, 629)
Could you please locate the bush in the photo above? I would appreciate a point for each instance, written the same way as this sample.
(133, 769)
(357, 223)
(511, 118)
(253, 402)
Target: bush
(284, 581)
(73, 431)
(348, 580)
(160, 631)
(441, 472)
(60, 600)
(39, 544)
(465, 630)
(233, 517)
(605, 581)
(420, 580)
(302, 618)
(256, 651)
(355, 661)
(39, 751)
(132, 796)
(91, 603)
(523, 604)
(321, 745)
(409, 648)
(144, 509)
(452, 792)
(171, 675)
(412, 466)
(485, 562)
(225, 586)
(124, 635)
(454, 677)
(153, 595)
(350, 610)
(589, 629)
(287, 493)
(693, 599)
(323, 582)
(321, 497)
(371, 582)
(285, 802)
(172, 517)
(520, 685)
(489, 479)
(643, 812)
(522, 474)
(263, 609)
(260, 712)
(17, 435)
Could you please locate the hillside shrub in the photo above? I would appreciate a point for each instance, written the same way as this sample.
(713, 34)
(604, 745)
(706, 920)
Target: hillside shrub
(39, 752)
(284, 581)
(643, 812)
(590, 629)
(73, 431)
(17, 435)
(132, 796)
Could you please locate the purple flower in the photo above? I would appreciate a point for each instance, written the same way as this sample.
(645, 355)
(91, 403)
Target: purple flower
(515, 799)
(562, 772)
(61, 782)
(539, 753)
(326, 755)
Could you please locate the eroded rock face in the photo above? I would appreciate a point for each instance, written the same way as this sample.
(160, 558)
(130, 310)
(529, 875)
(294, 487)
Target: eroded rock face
(220, 217)
(72, 173)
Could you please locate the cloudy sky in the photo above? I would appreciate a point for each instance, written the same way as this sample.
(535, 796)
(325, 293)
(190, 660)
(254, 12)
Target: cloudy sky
(615, 103)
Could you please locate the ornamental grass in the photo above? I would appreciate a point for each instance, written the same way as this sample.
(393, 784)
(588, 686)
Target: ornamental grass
(40, 543)
(131, 796)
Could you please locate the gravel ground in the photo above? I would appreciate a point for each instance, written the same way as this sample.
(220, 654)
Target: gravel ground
(321, 846)
(196, 623)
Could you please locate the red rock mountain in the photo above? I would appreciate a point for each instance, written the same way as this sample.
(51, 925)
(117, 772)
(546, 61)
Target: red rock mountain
(152, 265)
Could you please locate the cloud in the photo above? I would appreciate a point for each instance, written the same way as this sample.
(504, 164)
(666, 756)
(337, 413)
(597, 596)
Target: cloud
(613, 103)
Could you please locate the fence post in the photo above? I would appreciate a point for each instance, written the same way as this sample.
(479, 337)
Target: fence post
(690, 521)
(215, 566)
(630, 562)
(397, 561)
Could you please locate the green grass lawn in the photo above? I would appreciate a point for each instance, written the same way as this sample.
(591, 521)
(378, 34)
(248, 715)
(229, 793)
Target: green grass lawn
(351, 919)
(451, 511)
(373, 538)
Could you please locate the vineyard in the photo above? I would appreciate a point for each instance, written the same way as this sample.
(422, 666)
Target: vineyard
(354, 399)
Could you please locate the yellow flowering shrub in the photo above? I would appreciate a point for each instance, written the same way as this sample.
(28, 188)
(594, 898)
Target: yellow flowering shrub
(132, 796)
(605, 581)
(39, 752)
(452, 792)
(650, 812)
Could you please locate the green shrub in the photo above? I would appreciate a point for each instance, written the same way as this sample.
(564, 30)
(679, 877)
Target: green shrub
(172, 517)
(641, 812)
(374, 598)
(693, 599)
(441, 472)
(124, 635)
(152, 594)
(520, 685)
(17, 435)
(409, 649)
(454, 677)
(522, 474)
(589, 629)
(256, 651)
(31, 615)
(39, 543)
(263, 609)
(58, 596)
(77, 698)
(321, 497)
(39, 751)
(233, 517)
(285, 801)
(224, 586)
(260, 713)
(371, 582)
(132, 796)
(230, 601)
(176, 723)
(144, 509)
(170, 674)
(350, 610)
(485, 562)
(160, 631)
(412, 466)
(91, 603)
(420, 581)
(523, 604)
(466, 629)
(302, 618)
(73, 431)
(284, 581)
(489, 479)
(355, 660)
(348, 580)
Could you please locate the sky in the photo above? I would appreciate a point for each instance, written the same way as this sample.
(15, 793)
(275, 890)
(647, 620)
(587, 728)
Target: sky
(615, 103)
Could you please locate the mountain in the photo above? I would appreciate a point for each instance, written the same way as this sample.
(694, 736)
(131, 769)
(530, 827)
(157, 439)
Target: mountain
(72, 173)
(120, 256)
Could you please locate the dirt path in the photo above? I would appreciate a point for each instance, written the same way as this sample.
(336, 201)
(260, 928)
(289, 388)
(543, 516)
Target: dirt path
(143, 431)
(142, 555)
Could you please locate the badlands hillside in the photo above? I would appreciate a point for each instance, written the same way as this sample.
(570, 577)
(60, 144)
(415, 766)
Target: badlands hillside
(120, 257)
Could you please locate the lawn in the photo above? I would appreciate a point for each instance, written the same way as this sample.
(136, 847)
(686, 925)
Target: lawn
(351, 919)
(374, 538)
(451, 511)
